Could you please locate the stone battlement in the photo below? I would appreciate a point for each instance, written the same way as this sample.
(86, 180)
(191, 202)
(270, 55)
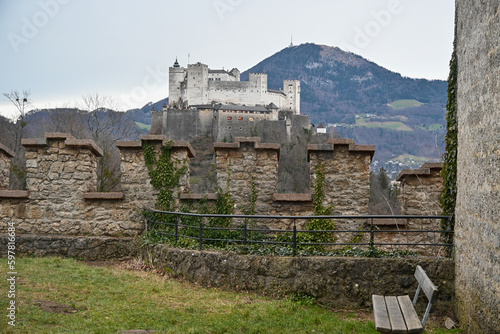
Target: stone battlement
(61, 197)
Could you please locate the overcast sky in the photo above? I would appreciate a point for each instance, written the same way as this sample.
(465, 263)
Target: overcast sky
(63, 49)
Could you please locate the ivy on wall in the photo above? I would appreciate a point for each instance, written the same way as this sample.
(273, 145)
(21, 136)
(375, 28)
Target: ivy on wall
(320, 210)
(449, 171)
(165, 174)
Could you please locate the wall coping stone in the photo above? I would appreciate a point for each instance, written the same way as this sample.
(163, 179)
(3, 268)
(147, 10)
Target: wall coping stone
(85, 143)
(277, 197)
(424, 170)
(124, 144)
(7, 151)
(184, 144)
(257, 144)
(268, 146)
(103, 196)
(14, 194)
(152, 138)
(137, 144)
(370, 149)
(247, 139)
(227, 146)
(69, 141)
(192, 196)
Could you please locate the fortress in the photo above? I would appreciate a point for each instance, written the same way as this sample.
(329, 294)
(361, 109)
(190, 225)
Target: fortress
(204, 101)
(198, 85)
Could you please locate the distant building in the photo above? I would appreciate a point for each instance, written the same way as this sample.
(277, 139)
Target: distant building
(197, 85)
(204, 101)
(321, 129)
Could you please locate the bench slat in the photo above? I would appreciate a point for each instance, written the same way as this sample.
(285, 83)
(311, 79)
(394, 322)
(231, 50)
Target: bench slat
(426, 284)
(396, 317)
(410, 315)
(382, 323)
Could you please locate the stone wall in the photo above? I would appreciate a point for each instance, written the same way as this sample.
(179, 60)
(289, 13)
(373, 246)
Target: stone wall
(347, 179)
(61, 178)
(6, 156)
(347, 173)
(61, 198)
(244, 165)
(420, 194)
(61, 181)
(345, 283)
(477, 227)
(87, 248)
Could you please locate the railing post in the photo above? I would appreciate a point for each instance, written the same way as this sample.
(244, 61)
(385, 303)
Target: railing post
(201, 235)
(372, 234)
(245, 233)
(177, 229)
(294, 238)
(154, 224)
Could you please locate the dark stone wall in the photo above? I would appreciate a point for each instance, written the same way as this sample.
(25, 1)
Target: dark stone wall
(84, 248)
(346, 283)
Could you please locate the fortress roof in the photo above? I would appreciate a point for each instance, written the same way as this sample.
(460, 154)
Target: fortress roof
(276, 91)
(218, 71)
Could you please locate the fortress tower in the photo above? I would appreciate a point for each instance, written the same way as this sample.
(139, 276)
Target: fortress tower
(177, 75)
(197, 84)
(292, 91)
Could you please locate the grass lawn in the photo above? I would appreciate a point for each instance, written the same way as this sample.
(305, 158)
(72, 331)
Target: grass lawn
(143, 126)
(394, 125)
(401, 104)
(406, 158)
(56, 295)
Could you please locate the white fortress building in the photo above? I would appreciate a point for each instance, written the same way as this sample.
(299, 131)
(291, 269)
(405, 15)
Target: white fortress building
(197, 86)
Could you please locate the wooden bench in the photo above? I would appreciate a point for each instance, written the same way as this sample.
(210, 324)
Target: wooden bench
(397, 314)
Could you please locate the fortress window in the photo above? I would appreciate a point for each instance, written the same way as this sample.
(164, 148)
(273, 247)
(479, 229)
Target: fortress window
(240, 118)
(251, 119)
(229, 118)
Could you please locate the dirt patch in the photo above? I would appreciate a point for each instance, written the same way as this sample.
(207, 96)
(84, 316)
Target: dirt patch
(54, 307)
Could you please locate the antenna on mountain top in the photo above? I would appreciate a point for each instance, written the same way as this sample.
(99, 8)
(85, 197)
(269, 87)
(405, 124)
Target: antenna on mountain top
(291, 41)
(188, 58)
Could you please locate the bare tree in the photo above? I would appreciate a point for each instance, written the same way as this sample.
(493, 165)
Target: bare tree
(21, 100)
(106, 126)
(69, 120)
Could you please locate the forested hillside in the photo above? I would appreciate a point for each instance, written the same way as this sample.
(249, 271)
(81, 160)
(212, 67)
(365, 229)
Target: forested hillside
(403, 117)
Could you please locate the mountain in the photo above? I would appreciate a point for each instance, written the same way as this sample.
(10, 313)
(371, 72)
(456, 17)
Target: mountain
(143, 115)
(404, 117)
(336, 85)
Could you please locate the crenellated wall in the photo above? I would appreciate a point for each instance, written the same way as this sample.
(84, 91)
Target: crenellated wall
(244, 162)
(61, 181)
(346, 167)
(347, 174)
(61, 197)
(420, 194)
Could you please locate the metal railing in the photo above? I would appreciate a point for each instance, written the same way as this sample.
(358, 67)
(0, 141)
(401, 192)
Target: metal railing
(245, 233)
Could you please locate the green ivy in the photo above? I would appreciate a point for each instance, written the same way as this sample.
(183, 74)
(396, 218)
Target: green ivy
(449, 171)
(321, 210)
(164, 173)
